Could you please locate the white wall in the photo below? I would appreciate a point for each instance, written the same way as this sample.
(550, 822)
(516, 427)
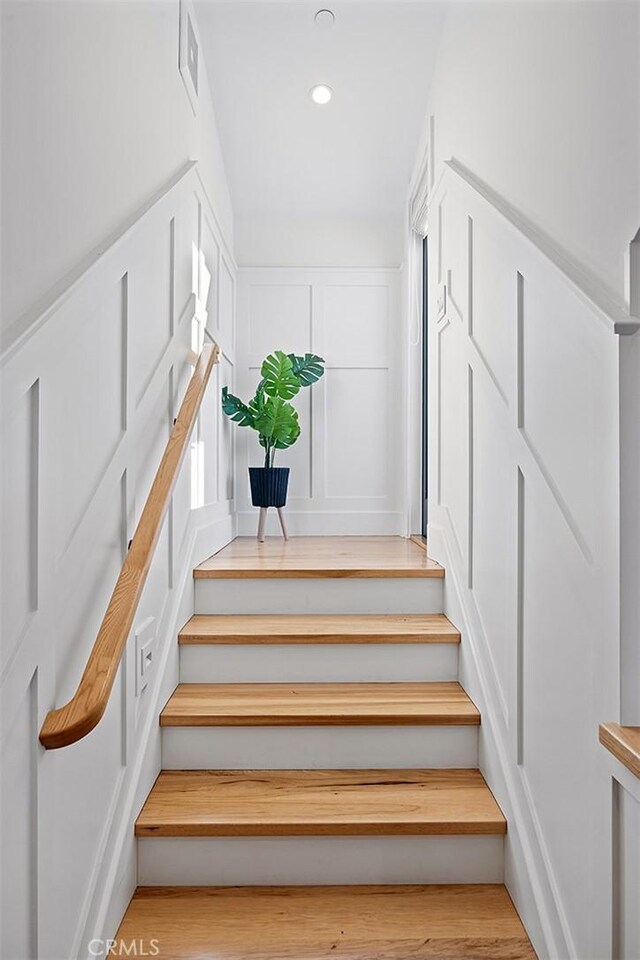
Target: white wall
(89, 390)
(347, 472)
(88, 400)
(95, 119)
(271, 241)
(542, 101)
(524, 514)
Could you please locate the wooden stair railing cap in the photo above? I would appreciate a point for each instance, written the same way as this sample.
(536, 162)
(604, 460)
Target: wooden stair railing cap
(624, 743)
(83, 712)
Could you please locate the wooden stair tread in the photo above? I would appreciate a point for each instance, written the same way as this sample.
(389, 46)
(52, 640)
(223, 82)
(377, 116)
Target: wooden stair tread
(319, 802)
(268, 704)
(323, 628)
(453, 922)
(623, 743)
(320, 557)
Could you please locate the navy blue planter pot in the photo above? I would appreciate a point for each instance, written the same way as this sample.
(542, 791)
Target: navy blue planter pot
(269, 486)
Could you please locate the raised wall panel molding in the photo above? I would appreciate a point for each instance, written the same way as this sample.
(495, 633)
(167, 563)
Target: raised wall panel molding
(40, 313)
(602, 303)
(534, 891)
(525, 452)
(419, 206)
(347, 465)
(89, 390)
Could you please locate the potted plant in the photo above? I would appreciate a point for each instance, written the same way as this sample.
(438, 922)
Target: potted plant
(275, 420)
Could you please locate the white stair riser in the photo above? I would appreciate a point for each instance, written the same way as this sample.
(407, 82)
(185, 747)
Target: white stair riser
(256, 861)
(320, 595)
(318, 748)
(318, 663)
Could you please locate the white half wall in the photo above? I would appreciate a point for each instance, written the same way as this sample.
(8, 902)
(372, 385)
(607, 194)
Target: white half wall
(89, 395)
(525, 516)
(347, 472)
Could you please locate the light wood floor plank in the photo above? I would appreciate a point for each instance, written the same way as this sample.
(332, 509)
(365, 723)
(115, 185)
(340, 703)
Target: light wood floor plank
(278, 704)
(319, 628)
(470, 922)
(320, 557)
(319, 803)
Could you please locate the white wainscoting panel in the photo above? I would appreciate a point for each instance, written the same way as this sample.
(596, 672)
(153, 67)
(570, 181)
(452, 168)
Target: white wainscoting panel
(347, 470)
(524, 458)
(89, 395)
(626, 865)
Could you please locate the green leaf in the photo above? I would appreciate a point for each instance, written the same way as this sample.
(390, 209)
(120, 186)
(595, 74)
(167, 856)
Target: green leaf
(290, 440)
(238, 411)
(281, 444)
(278, 376)
(307, 369)
(257, 403)
(278, 423)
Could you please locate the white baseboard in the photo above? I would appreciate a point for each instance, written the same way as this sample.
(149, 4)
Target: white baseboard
(527, 874)
(114, 878)
(309, 523)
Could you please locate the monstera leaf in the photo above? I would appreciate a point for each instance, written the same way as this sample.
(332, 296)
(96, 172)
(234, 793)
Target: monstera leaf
(278, 423)
(240, 412)
(279, 444)
(269, 413)
(278, 378)
(307, 369)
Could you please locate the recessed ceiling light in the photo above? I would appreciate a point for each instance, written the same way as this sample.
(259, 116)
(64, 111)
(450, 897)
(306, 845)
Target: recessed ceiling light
(321, 94)
(325, 18)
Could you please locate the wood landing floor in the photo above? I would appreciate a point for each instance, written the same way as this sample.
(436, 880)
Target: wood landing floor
(320, 557)
(470, 922)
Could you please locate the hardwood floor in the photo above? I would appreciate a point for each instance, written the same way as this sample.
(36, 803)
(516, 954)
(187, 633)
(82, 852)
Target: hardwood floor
(319, 628)
(216, 803)
(309, 704)
(320, 557)
(453, 922)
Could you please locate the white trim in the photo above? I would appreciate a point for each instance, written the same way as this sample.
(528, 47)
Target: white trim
(538, 898)
(602, 303)
(103, 911)
(36, 316)
(303, 271)
(228, 252)
(115, 490)
(419, 205)
(187, 16)
(315, 523)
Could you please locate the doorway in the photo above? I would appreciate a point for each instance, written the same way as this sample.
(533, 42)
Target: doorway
(425, 388)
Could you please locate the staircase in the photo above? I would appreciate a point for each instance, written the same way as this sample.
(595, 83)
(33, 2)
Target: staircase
(320, 795)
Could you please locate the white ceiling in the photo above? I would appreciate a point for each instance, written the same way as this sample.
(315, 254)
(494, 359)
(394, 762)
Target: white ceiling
(284, 155)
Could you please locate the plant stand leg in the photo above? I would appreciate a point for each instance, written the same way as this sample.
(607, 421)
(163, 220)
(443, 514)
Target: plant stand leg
(261, 523)
(282, 523)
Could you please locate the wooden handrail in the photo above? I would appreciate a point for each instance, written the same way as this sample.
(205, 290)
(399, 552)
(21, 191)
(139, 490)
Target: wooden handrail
(80, 715)
(623, 743)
